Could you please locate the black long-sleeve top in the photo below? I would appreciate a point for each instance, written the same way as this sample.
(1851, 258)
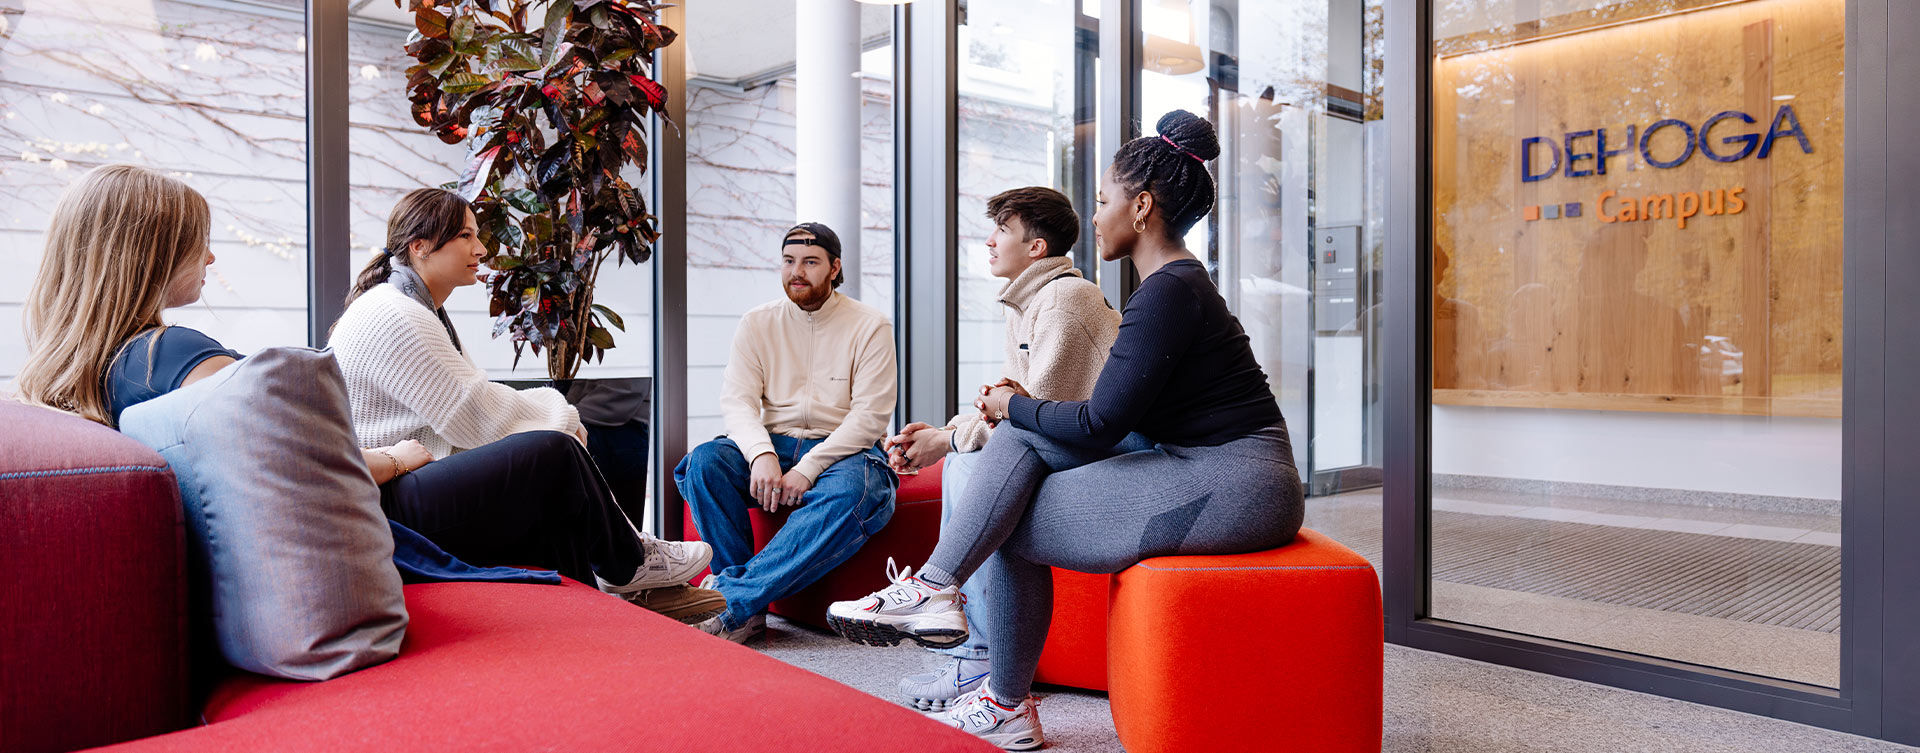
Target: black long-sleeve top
(1181, 372)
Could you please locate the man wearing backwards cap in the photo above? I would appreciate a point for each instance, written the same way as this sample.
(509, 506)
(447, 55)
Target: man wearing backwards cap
(808, 392)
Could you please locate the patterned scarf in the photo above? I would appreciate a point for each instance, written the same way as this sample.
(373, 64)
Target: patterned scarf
(408, 281)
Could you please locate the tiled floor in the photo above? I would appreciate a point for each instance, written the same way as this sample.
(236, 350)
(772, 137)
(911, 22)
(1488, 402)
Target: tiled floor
(1434, 704)
(1800, 655)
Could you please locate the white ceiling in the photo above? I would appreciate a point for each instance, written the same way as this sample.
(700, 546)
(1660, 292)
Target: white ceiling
(725, 39)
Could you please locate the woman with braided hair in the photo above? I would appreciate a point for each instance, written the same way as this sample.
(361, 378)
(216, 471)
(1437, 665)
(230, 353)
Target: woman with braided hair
(1180, 451)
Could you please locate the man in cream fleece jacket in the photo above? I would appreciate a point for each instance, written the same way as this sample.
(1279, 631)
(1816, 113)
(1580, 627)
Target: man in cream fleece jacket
(808, 393)
(1058, 331)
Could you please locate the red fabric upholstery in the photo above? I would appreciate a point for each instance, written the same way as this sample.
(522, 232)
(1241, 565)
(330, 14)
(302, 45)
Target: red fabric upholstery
(1250, 652)
(93, 586)
(492, 667)
(908, 538)
(1076, 650)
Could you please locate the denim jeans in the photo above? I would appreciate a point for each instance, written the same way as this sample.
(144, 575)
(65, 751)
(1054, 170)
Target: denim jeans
(953, 480)
(850, 502)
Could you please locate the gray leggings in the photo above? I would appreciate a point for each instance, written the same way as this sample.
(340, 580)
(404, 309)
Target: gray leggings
(1034, 503)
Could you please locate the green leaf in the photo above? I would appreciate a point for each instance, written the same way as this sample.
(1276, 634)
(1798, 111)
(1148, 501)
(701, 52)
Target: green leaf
(438, 66)
(530, 299)
(612, 318)
(503, 263)
(461, 30)
(616, 57)
(525, 201)
(513, 237)
(556, 26)
(465, 81)
(517, 55)
(600, 337)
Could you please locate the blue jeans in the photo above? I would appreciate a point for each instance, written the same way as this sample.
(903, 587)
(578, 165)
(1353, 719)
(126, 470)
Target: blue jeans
(953, 480)
(850, 502)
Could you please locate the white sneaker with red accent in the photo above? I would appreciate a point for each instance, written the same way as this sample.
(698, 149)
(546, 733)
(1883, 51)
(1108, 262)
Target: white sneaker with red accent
(910, 609)
(1015, 727)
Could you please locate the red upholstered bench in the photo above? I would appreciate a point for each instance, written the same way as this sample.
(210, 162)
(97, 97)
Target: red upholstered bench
(1076, 651)
(1281, 649)
(94, 646)
(498, 667)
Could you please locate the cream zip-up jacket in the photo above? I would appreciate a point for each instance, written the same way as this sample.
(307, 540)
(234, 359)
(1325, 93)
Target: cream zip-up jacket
(825, 374)
(1059, 331)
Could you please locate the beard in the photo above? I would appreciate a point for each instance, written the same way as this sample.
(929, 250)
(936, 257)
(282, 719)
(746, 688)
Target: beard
(809, 297)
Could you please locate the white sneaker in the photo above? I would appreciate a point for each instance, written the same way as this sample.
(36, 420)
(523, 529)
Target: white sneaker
(1012, 728)
(909, 609)
(939, 689)
(756, 626)
(668, 563)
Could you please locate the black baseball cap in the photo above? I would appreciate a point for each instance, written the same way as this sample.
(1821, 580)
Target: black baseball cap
(823, 236)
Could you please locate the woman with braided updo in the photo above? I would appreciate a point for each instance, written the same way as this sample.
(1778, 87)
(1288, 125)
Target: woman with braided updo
(1181, 450)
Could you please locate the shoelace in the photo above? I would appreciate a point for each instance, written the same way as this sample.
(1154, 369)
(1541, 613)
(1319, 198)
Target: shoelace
(901, 578)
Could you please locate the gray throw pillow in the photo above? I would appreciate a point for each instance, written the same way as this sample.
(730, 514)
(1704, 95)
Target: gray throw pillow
(282, 514)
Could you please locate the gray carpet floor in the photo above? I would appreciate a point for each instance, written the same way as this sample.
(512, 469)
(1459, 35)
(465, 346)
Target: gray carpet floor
(1434, 704)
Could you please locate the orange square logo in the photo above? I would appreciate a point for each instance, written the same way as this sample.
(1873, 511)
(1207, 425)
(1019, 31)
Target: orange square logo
(1533, 213)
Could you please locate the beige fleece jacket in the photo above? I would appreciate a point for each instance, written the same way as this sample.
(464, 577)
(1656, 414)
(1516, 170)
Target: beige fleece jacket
(825, 374)
(1059, 330)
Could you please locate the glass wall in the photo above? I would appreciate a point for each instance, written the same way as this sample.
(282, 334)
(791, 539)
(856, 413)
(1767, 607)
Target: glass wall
(741, 148)
(214, 95)
(392, 155)
(1026, 111)
(1295, 240)
(1637, 326)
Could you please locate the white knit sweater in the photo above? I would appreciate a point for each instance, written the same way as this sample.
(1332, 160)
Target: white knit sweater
(407, 381)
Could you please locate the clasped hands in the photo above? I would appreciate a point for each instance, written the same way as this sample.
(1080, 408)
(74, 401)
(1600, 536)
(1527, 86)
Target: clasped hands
(771, 488)
(919, 445)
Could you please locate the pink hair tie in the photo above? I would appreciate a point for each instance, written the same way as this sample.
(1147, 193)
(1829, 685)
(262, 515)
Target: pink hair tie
(1181, 149)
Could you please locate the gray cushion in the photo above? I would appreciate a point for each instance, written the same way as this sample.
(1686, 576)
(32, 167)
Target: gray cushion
(282, 514)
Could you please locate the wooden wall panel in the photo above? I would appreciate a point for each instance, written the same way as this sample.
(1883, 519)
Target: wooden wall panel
(1734, 313)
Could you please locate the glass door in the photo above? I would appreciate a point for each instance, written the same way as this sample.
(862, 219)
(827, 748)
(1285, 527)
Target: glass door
(1637, 319)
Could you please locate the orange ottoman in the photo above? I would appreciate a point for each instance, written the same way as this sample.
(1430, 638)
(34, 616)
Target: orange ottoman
(1280, 649)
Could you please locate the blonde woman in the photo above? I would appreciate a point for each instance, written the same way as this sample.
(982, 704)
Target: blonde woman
(126, 243)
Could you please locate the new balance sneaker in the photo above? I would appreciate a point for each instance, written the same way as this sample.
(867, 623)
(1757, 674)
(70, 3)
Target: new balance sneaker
(682, 602)
(910, 609)
(937, 690)
(756, 626)
(1015, 727)
(668, 563)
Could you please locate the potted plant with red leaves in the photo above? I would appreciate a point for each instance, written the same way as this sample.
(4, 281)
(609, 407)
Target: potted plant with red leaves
(551, 98)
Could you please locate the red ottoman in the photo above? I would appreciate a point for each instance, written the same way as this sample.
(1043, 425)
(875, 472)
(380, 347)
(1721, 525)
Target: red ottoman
(1248, 652)
(1076, 650)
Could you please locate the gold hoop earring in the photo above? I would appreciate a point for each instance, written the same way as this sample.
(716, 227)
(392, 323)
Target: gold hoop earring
(1140, 225)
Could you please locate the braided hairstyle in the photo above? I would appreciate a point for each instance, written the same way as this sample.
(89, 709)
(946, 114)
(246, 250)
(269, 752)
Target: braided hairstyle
(1173, 167)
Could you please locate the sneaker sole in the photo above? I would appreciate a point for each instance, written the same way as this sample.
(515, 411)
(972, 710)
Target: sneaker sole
(1019, 742)
(689, 613)
(930, 705)
(879, 634)
(697, 617)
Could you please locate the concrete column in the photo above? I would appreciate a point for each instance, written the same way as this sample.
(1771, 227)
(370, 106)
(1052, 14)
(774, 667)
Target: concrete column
(827, 110)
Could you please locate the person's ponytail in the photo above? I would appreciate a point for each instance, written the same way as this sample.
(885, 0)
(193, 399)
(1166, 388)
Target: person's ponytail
(377, 271)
